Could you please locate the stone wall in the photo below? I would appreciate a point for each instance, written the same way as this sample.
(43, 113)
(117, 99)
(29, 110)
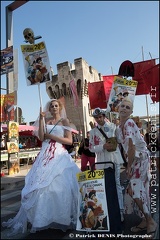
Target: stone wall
(82, 73)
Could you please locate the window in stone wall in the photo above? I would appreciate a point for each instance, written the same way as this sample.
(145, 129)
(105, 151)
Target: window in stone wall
(51, 94)
(55, 95)
(64, 89)
(90, 69)
(69, 92)
(57, 91)
(79, 86)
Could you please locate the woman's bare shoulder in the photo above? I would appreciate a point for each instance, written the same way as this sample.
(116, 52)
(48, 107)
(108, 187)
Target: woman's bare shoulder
(65, 122)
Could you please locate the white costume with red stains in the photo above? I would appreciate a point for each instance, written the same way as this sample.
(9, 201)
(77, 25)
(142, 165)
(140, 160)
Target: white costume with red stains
(140, 168)
(50, 195)
(96, 142)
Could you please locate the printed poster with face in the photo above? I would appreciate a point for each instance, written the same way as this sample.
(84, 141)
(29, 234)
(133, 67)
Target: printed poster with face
(13, 130)
(36, 63)
(7, 107)
(121, 88)
(7, 60)
(92, 204)
(12, 147)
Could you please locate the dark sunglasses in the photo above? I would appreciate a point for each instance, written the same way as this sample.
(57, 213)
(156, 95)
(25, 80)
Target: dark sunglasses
(127, 107)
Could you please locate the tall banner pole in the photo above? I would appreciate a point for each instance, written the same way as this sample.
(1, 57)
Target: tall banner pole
(146, 94)
(40, 99)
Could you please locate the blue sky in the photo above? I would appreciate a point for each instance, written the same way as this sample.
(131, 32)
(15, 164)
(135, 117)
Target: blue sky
(104, 33)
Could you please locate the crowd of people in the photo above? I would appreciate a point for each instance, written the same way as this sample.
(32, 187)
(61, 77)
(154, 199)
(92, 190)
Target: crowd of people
(49, 198)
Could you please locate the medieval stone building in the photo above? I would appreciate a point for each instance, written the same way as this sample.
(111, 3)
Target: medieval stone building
(82, 74)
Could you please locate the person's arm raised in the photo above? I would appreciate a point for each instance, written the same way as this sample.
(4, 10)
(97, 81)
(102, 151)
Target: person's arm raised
(41, 125)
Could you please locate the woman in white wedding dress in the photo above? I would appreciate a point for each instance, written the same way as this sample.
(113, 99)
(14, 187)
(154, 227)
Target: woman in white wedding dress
(50, 196)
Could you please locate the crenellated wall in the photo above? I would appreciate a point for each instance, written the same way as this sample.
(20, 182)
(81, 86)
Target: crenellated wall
(82, 73)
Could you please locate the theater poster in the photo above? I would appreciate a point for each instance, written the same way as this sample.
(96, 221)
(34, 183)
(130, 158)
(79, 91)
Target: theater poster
(7, 60)
(12, 147)
(36, 63)
(7, 107)
(121, 88)
(13, 130)
(92, 204)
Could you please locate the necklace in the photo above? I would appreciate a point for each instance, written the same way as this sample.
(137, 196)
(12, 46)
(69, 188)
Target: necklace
(53, 121)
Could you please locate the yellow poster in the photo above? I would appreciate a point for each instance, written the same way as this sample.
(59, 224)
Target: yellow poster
(12, 147)
(92, 202)
(121, 88)
(36, 63)
(7, 107)
(13, 130)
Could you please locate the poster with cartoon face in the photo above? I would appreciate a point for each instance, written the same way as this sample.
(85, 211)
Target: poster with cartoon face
(92, 203)
(12, 147)
(13, 130)
(121, 88)
(7, 107)
(36, 63)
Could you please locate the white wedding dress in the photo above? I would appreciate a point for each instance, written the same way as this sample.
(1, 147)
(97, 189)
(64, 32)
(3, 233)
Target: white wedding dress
(50, 196)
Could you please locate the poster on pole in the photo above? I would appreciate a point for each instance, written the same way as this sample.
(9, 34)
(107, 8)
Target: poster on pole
(7, 107)
(15, 72)
(7, 60)
(121, 88)
(13, 130)
(92, 204)
(36, 63)
(12, 147)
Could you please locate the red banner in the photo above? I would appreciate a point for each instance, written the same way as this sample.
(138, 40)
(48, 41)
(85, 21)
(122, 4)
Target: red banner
(107, 82)
(142, 87)
(140, 67)
(97, 97)
(74, 92)
(151, 78)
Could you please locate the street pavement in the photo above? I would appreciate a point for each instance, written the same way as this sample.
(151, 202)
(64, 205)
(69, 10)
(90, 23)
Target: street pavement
(11, 186)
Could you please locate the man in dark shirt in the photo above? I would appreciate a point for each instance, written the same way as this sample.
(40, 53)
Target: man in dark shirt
(86, 154)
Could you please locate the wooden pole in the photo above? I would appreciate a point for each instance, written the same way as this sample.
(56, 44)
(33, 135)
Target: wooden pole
(146, 94)
(112, 70)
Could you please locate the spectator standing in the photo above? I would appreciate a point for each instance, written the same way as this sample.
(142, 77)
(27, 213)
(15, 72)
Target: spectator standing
(86, 155)
(2, 144)
(20, 145)
(76, 145)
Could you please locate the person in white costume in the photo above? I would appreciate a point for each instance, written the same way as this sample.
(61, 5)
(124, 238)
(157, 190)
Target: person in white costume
(138, 169)
(49, 198)
(98, 145)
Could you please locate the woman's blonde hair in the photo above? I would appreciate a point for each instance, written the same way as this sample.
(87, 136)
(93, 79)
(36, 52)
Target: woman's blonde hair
(59, 103)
